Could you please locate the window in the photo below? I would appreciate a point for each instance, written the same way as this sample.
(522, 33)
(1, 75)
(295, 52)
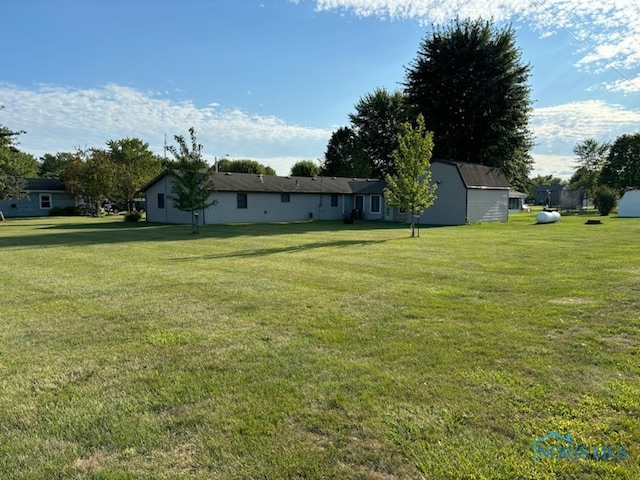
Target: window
(242, 200)
(334, 199)
(375, 203)
(45, 200)
(161, 200)
(285, 198)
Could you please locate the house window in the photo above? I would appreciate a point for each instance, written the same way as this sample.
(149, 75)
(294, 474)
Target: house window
(514, 204)
(334, 199)
(45, 200)
(285, 198)
(375, 203)
(242, 200)
(161, 200)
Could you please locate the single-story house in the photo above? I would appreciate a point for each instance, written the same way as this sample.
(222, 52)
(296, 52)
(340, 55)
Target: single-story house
(252, 198)
(547, 194)
(43, 194)
(516, 202)
(467, 193)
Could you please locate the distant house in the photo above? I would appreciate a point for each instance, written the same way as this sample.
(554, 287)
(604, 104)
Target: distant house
(43, 194)
(547, 194)
(467, 193)
(516, 201)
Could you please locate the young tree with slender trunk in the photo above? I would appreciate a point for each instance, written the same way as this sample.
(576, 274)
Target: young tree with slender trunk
(193, 185)
(410, 188)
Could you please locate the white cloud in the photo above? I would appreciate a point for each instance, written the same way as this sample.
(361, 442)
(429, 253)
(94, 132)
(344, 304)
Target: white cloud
(608, 30)
(61, 119)
(559, 128)
(628, 85)
(567, 124)
(561, 166)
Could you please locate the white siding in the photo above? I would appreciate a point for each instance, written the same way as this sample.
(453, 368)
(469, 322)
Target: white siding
(261, 207)
(487, 205)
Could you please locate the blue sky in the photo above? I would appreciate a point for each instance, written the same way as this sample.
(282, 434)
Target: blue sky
(271, 80)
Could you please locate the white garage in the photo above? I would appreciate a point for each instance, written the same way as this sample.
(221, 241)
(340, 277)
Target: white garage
(629, 204)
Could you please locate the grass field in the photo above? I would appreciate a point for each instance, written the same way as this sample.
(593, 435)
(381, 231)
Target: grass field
(318, 350)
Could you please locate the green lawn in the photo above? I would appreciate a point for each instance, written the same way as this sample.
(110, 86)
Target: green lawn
(318, 350)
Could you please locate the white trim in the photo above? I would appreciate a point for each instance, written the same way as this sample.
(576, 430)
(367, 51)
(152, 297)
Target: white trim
(50, 201)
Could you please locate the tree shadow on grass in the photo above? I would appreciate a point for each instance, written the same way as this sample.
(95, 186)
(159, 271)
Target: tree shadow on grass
(51, 232)
(288, 249)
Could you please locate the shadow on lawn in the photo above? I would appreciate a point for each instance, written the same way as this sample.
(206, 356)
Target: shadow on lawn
(288, 249)
(91, 231)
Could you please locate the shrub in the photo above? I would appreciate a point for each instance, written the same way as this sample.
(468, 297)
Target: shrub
(65, 212)
(605, 200)
(132, 217)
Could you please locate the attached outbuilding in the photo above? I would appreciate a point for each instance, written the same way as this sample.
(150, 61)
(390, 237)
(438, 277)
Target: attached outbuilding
(629, 204)
(43, 194)
(467, 193)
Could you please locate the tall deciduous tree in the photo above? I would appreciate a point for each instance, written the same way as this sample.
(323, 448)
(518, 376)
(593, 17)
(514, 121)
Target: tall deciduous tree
(591, 157)
(244, 166)
(622, 166)
(15, 165)
(345, 156)
(52, 165)
(377, 122)
(134, 166)
(470, 83)
(91, 175)
(193, 185)
(305, 168)
(410, 188)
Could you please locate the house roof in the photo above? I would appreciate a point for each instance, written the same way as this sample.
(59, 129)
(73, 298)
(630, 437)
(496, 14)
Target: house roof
(43, 185)
(473, 176)
(250, 182)
(479, 176)
(551, 188)
(516, 194)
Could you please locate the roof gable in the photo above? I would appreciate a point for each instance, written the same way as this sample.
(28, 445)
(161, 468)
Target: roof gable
(474, 175)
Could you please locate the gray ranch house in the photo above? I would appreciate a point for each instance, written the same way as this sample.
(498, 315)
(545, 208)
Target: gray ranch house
(43, 194)
(467, 193)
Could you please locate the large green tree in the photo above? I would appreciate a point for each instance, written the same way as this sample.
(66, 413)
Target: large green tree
(621, 169)
(305, 168)
(410, 187)
(193, 185)
(134, 166)
(15, 166)
(377, 121)
(90, 174)
(244, 166)
(52, 165)
(470, 83)
(591, 157)
(345, 156)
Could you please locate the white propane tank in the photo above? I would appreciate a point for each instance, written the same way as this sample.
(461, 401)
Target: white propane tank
(547, 217)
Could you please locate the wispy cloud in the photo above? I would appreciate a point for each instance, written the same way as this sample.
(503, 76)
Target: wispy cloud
(607, 31)
(61, 119)
(560, 127)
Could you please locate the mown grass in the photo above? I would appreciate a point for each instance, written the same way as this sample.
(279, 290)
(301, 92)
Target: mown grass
(317, 350)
